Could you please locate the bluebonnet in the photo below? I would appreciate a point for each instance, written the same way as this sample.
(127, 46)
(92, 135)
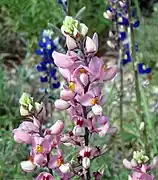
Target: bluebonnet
(143, 70)
(128, 57)
(47, 67)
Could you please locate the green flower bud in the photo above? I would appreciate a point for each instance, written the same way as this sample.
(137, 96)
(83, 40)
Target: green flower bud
(140, 157)
(73, 27)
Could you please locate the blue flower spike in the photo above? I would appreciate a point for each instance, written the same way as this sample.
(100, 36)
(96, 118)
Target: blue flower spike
(46, 67)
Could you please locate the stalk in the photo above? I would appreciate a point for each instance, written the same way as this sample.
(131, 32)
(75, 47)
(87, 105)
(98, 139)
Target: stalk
(121, 75)
(137, 89)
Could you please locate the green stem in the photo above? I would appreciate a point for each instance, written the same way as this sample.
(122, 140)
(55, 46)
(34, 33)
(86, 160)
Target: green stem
(137, 89)
(68, 10)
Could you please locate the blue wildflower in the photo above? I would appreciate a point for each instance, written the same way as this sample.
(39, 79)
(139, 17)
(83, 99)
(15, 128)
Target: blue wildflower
(47, 66)
(122, 36)
(128, 57)
(136, 24)
(143, 70)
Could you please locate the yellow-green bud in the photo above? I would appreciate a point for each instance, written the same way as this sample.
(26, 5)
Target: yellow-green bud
(140, 156)
(73, 27)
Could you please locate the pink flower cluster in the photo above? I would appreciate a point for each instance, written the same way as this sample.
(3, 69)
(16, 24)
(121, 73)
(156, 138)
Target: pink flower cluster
(42, 142)
(83, 98)
(140, 169)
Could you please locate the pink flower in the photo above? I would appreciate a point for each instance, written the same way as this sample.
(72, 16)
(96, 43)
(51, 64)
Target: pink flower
(41, 145)
(141, 176)
(140, 171)
(57, 162)
(92, 72)
(93, 98)
(45, 176)
(104, 125)
(86, 153)
(80, 124)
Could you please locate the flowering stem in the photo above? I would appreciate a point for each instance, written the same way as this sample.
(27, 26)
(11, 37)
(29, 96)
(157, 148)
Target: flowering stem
(86, 136)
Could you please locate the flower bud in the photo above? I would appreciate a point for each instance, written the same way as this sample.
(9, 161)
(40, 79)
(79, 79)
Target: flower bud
(67, 95)
(141, 127)
(84, 79)
(73, 27)
(57, 128)
(86, 162)
(61, 104)
(70, 42)
(83, 29)
(90, 45)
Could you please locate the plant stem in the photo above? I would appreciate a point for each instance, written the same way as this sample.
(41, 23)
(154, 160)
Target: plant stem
(86, 136)
(137, 90)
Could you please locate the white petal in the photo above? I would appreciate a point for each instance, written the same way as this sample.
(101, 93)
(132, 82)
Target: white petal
(27, 166)
(65, 168)
(97, 110)
(86, 162)
(23, 111)
(79, 131)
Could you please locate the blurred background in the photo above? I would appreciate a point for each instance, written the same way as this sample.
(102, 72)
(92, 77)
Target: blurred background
(21, 25)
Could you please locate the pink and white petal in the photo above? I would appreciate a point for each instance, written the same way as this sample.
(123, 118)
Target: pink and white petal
(84, 79)
(90, 45)
(79, 89)
(65, 73)
(45, 175)
(77, 70)
(62, 60)
(95, 39)
(127, 164)
(109, 73)
(96, 64)
(53, 162)
(154, 163)
(22, 137)
(103, 120)
(73, 55)
(46, 146)
(103, 129)
(27, 166)
(67, 94)
(60, 104)
(28, 127)
(40, 160)
(85, 100)
(57, 128)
